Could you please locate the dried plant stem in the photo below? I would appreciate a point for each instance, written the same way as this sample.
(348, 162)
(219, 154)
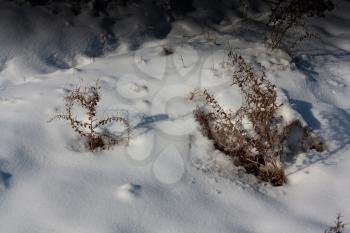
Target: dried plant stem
(338, 227)
(88, 98)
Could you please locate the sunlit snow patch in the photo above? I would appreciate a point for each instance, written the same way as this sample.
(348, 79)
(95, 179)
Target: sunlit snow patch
(141, 147)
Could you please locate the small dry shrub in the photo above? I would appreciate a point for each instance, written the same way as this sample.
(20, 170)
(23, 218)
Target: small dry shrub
(257, 148)
(293, 16)
(91, 130)
(338, 227)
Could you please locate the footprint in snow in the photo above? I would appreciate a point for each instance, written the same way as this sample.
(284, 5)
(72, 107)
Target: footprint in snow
(11, 100)
(128, 192)
(150, 63)
(186, 59)
(132, 87)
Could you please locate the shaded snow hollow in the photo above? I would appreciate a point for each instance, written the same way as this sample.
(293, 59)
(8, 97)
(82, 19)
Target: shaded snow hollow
(170, 178)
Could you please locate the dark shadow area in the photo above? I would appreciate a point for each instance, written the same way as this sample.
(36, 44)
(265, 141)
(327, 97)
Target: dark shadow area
(95, 48)
(304, 109)
(5, 178)
(57, 62)
(181, 6)
(339, 128)
(106, 41)
(337, 134)
(304, 65)
(148, 121)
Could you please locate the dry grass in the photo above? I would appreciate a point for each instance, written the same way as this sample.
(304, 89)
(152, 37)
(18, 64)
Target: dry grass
(92, 130)
(257, 148)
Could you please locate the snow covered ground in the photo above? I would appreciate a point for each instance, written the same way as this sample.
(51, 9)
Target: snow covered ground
(170, 178)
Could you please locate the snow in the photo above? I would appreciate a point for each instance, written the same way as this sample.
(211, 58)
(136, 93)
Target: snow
(128, 192)
(170, 178)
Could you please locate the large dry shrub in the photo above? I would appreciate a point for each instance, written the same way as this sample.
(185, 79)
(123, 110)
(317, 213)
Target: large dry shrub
(259, 145)
(91, 130)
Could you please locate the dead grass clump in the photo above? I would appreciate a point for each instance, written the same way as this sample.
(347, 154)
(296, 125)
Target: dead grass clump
(91, 129)
(258, 145)
(338, 227)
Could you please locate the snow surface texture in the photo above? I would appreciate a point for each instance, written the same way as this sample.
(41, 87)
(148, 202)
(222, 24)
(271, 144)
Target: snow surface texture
(170, 178)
